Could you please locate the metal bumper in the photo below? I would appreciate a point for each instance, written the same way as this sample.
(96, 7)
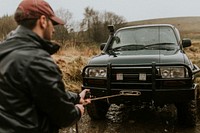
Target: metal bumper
(164, 96)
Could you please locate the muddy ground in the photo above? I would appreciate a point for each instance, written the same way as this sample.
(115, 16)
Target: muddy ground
(123, 119)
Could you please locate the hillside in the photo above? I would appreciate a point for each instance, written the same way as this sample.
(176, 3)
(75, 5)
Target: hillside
(188, 26)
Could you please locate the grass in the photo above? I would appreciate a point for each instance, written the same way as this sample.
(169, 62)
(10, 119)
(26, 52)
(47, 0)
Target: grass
(71, 61)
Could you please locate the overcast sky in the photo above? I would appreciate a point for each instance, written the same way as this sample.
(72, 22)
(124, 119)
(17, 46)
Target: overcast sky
(131, 10)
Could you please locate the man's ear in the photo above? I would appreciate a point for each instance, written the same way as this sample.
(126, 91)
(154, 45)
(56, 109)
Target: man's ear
(43, 21)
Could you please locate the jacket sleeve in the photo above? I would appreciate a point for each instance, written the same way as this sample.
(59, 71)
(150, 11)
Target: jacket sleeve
(44, 79)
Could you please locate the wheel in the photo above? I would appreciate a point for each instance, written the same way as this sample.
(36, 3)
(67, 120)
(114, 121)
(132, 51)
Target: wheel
(97, 110)
(187, 113)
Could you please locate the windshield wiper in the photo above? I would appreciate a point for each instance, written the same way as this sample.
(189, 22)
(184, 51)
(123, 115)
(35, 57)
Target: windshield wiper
(124, 47)
(158, 44)
(128, 47)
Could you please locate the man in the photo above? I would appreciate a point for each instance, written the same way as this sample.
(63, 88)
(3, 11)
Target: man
(32, 94)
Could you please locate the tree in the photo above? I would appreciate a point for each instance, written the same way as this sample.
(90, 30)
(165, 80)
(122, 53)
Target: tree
(110, 18)
(7, 24)
(94, 25)
(88, 21)
(62, 32)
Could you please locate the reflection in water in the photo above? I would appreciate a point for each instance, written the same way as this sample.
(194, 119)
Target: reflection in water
(123, 119)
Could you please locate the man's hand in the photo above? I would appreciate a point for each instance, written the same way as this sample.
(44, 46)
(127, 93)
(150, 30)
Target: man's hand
(83, 99)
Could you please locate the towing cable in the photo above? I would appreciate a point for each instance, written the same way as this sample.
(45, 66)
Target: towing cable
(122, 93)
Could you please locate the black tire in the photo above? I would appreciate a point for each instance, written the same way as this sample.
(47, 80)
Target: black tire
(97, 110)
(187, 113)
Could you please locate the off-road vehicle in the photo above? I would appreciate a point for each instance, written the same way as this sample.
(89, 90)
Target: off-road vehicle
(143, 64)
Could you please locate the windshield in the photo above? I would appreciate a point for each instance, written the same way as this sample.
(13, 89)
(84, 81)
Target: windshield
(144, 38)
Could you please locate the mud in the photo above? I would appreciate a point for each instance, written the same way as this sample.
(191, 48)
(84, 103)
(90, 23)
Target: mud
(130, 119)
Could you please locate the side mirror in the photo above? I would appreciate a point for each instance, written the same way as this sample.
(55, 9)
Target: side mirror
(102, 46)
(186, 42)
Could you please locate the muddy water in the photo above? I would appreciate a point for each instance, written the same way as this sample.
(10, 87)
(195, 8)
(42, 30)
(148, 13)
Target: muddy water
(123, 119)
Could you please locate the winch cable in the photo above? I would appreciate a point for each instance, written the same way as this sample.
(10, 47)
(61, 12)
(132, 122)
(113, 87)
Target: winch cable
(122, 93)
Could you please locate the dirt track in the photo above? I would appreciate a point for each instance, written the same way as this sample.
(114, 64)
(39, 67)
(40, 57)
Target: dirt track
(121, 119)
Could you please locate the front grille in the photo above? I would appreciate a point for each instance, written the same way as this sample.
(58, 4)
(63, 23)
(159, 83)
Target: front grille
(130, 77)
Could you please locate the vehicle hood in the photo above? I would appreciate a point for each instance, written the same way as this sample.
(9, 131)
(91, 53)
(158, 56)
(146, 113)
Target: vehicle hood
(143, 57)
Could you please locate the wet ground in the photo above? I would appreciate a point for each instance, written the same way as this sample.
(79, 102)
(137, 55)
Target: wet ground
(123, 119)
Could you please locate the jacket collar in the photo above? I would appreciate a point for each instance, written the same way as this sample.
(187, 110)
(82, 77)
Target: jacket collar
(24, 33)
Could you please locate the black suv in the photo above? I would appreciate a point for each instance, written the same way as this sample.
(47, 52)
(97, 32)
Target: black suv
(143, 64)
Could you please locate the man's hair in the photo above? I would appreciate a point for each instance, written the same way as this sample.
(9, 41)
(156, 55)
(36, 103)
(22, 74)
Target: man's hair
(29, 23)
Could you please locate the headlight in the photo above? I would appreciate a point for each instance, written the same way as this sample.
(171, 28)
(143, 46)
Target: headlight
(173, 72)
(96, 72)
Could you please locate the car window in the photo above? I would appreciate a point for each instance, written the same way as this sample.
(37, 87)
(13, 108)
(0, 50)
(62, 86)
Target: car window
(144, 36)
